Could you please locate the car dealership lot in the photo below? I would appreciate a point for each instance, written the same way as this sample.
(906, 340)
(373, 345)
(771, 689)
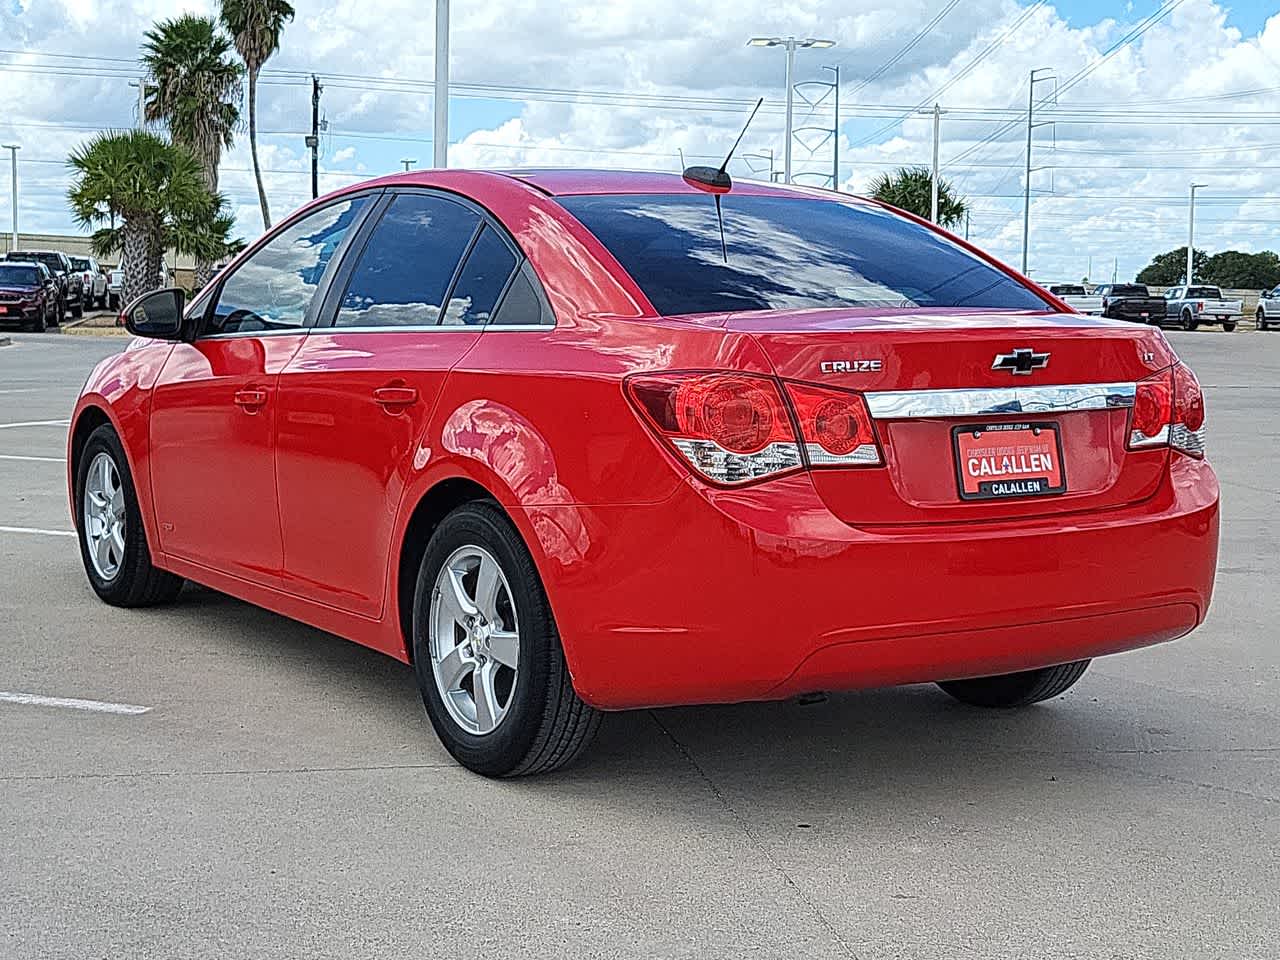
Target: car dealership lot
(284, 795)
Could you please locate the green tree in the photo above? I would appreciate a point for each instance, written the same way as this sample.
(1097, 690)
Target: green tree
(255, 27)
(1248, 271)
(911, 189)
(1168, 269)
(194, 88)
(156, 190)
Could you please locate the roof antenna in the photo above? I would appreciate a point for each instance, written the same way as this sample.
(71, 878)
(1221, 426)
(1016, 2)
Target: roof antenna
(718, 181)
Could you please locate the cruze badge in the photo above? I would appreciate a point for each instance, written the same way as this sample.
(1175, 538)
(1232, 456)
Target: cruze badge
(1021, 362)
(851, 366)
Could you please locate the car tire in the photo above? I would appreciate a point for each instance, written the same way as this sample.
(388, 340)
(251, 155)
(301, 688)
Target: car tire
(1229, 326)
(60, 314)
(41, 323)
(1016, 689)
(121, 572)
(1261, 319)
(1189, 321)
(78, 310)
(113, 301)
(543, 724)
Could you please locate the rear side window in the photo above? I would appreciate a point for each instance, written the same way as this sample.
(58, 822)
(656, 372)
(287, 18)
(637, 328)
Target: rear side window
(524, 304)
(788, 253)
(481, 281)
(405, 268)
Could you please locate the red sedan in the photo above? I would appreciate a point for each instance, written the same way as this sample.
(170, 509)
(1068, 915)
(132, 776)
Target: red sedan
(572, 442)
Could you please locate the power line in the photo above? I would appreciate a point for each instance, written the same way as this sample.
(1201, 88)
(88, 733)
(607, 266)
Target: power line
(892, 61)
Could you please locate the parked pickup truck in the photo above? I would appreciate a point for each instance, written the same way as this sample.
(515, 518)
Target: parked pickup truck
(1192, 306)
(1268, 314)
(1130, 301)
(1076, 297)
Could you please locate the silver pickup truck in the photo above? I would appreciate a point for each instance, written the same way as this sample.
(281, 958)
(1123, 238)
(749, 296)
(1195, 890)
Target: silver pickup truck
(1268, 314)
(1192, 306)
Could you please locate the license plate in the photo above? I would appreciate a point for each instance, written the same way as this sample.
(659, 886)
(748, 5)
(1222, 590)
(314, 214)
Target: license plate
(4, 309)
(1146, 314)
(1001, 461)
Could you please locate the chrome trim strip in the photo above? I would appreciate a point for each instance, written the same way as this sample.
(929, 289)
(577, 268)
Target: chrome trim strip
(997, 401)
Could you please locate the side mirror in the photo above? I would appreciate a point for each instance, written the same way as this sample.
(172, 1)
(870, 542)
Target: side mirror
(157, 315)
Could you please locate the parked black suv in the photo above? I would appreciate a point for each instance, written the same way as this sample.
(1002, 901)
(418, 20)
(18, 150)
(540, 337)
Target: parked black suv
(70, 283)
(1130, 301)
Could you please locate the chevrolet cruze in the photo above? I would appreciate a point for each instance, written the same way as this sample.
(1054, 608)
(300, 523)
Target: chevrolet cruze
(571, 442)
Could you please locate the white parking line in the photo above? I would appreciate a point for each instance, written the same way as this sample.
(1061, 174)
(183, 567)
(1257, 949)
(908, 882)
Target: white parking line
(15, 456)
(39, 530)
(36, 423)
(71, 703)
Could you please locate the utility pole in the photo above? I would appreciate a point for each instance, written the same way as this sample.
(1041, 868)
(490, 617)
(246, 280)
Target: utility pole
(1026, 195)
(937, 136)
(408, 163)
(1191, 234)
(790, 45)
(313, 141)
(440, 141)
(13, 149)
(835, 131)
(966, 226)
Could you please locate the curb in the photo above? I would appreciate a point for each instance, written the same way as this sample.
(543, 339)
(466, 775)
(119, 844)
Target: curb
(5, 341)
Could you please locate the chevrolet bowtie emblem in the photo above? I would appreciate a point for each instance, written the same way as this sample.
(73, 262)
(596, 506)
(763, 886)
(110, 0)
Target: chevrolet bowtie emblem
(1021, 361)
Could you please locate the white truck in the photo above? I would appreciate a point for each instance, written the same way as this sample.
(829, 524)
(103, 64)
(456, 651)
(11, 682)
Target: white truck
(1268, 314)
(1076, 297)
(1192, 306)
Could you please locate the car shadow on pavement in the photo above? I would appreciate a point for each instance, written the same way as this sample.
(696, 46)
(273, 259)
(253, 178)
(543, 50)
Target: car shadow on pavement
(904, 740)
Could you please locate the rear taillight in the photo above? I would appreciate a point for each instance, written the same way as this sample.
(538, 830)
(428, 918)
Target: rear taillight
(730, 427)
(1168, 410)
(737, 427)
(835, 426)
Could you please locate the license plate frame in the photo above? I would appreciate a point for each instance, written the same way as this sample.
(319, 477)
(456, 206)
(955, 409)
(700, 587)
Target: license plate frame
(1024, 485)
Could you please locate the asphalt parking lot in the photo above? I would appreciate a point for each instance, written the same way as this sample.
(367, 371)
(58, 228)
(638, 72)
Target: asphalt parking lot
(285, 797)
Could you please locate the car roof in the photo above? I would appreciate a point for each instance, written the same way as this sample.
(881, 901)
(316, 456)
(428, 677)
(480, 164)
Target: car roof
(23, 263)
(564, 182)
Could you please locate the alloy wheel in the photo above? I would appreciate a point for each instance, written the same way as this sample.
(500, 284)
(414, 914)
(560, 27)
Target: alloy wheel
(104, 516)
(474, 640)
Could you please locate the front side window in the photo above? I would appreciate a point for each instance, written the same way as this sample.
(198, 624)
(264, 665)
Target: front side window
(788, 253)
(273, 289)
(406, 267)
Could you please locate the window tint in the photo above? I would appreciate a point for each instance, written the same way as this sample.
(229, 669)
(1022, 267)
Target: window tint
(480, 282)
(24, 276)
(406, 266)
(523, 304)
(1207, 293)
(788, 252)
(80, 263)
(273, 288)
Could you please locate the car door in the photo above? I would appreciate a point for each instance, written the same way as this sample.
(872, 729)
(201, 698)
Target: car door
(213, 408)
(356, 399)
(1171, 298)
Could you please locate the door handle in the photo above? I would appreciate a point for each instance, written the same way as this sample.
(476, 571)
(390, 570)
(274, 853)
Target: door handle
(392, 397)
(251, 397)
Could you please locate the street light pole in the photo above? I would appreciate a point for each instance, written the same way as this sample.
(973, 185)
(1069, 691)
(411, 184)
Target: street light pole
(408, 163)
(790, 44)
(937, 136)
(440, 142)
(13, 149)
(1026, 189)
(1191, 233)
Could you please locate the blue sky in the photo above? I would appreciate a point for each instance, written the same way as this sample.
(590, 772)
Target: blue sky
(1158, 113)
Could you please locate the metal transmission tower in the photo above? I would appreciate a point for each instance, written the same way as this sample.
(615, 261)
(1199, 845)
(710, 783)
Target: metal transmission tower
(812, 137)
(1031, 125)
(790, 44)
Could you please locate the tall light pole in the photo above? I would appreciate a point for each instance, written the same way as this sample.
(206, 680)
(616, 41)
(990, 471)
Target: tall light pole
(1026, 196)
(440, 141)
(1191, 233)
(790, 44)
(936, 113)
(13, 149)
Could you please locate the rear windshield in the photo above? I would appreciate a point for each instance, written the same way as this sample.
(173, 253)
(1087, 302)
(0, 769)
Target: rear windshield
(1129, 290)
(788, 253)
(1067, 290)
(80, 263)
(49, 259)
(1208, 293)
(18, 276)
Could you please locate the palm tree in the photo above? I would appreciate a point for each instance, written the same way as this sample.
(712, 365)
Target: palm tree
(156, 190)
(911, 189)
(194, 88)
(255, 27)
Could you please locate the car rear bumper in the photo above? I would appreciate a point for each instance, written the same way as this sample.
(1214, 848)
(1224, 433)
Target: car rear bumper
(761, 593)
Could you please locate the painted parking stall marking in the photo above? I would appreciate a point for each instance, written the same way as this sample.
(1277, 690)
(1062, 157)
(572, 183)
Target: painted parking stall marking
(72, 703)
(38, 531)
